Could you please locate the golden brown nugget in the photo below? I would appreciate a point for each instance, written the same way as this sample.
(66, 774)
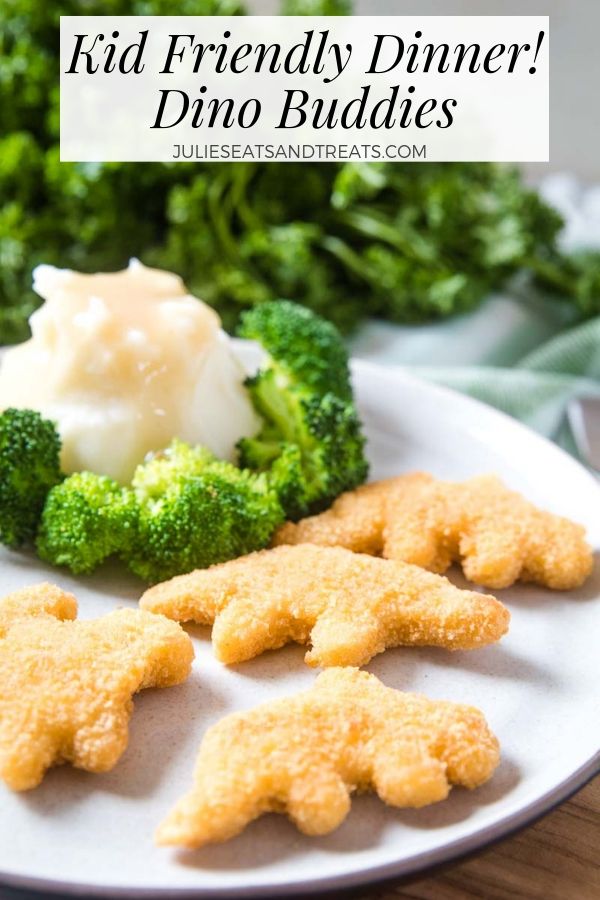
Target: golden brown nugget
(66, 686)
(355, 521)
(304, 755)
(495, 533)
(349, 606)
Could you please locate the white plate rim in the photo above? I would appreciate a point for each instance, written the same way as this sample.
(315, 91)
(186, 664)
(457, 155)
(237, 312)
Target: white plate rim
(418, 866)
(421, 863)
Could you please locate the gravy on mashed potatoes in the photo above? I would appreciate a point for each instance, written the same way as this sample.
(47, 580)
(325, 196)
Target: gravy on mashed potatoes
(123, 362)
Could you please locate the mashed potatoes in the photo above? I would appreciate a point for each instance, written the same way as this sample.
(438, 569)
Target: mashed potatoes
(123, 362)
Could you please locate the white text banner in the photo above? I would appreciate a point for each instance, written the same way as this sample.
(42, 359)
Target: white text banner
(375, 88)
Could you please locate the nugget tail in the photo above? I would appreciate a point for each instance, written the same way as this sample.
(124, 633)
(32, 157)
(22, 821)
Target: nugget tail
(194, 821)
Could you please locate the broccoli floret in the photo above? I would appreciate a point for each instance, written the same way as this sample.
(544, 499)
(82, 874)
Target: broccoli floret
(86, 519)
(179, 460)
(310, 445)
(282, 463)
(325, 434)
(287, 477)
(303, 348)
(185, 510)
(196, 511)
(29, 467)
(331, 438)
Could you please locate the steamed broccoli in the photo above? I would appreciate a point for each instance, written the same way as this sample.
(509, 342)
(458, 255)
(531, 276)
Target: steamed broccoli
(285, 473)
(195, 510)
(179, 460)
(311, 443)
(29, 467)
(302, 347)
(185, 508)
(86, 519)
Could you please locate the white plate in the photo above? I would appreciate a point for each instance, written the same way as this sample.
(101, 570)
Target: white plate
(538, 689)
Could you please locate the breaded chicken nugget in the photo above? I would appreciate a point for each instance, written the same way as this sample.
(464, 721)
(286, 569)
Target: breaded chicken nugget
(349, 606)
(66, 686)
(355, 521)
(495, 533)
(304, 755)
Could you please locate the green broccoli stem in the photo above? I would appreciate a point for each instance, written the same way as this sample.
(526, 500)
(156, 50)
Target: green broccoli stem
(273, 402)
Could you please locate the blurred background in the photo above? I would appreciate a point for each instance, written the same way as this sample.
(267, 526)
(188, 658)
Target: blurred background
(574, 66)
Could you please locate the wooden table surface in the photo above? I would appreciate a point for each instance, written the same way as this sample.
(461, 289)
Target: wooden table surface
(558, 858)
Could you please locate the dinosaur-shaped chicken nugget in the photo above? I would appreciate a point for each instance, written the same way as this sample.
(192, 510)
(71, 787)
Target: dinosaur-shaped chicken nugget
(350, 606)
(304, 755)
(355, 521)
(495, 533)
(66, 686)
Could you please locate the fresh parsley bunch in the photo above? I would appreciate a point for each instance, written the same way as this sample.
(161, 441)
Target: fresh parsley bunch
(401, 241)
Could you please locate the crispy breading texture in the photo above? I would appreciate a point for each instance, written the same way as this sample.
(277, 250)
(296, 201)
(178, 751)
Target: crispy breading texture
(304, 755)
(66, 686)
(496, 535)
(355, 521)
(349, 606)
